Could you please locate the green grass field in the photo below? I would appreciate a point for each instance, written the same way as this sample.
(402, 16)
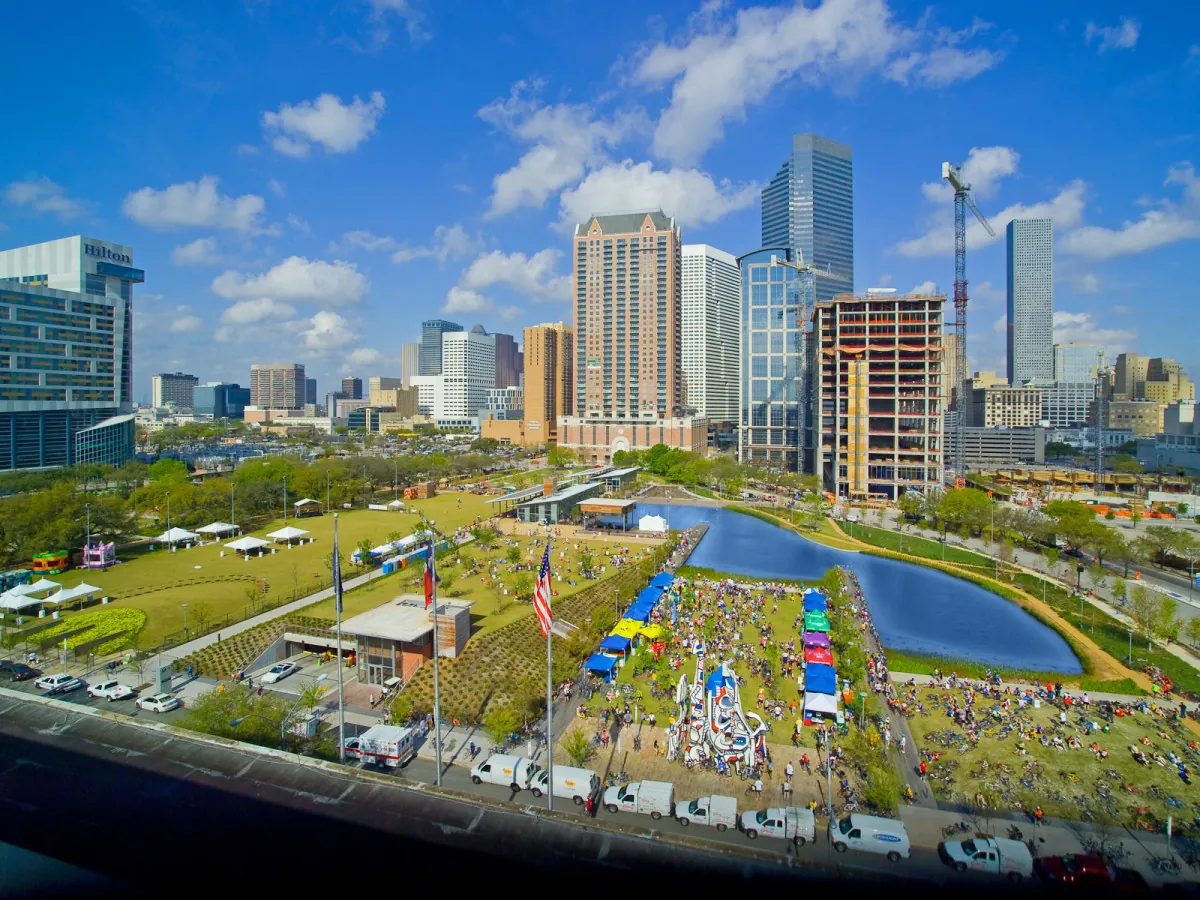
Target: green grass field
(925, 663)
(913, 545)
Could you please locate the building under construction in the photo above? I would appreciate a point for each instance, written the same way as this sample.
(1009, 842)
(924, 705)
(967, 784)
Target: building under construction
(877, 412)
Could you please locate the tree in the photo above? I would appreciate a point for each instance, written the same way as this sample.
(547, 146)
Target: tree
(513, 555)
(1166, 621)
(1160, 541)
(586, 562)
(1119, 591)
(1052, 554)
(1007, 550)
(1143, 610)
(484, 445)
(484, 534)
(578, 745)
(523, 588)
(1099, 576)
(501, 722)
(1125, 464)
(559, 457)
(1056, 449)
(202, 616)
(1192, 630)
(910, 505)
(964, 508)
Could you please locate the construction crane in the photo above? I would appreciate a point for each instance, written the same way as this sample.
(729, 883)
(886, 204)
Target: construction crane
(808, 273)
(962, 202)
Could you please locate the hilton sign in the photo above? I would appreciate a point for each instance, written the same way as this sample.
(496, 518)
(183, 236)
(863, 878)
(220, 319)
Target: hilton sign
(105, 253)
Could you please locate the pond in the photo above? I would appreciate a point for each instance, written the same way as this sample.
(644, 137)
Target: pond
(915, 608)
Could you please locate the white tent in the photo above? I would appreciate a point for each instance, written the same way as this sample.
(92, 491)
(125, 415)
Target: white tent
(652, 523)
(247, 543)
(307, 501)
(69, 594)
(177, 536)
(217, 528)
(287, 534)
(22, 590)
(396, 504)
(826, 704)
(13, 600)
(42, 584)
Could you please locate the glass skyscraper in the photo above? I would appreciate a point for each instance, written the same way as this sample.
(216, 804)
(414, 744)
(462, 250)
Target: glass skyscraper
(1030, 301)
(430, 362)
(773, 395)
(808, 207)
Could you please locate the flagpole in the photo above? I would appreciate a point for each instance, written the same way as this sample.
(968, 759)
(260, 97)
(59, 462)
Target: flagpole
(549, 724)
(437, 697)
(337, 594)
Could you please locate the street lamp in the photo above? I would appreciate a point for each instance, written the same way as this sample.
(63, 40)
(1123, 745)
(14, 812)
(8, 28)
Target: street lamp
(88, 507)
(284, 499)
(185, 631)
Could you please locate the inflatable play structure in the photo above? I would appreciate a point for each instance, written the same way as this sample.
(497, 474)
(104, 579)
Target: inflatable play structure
(711, 723)
(99, 555)
(53, 562)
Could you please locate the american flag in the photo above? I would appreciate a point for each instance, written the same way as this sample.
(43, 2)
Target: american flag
(431, 577)
(541, 593)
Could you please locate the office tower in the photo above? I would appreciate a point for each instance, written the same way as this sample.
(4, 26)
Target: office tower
(773, 412)
(468, 372)
(1077, 361)
(277, 386)
(383, 383)
(952, 376)
(808, 207)
(711, 308)
(331, 400)
(220, 400)
(627, 339)
(1030, 301)
(352, 388)
(431, 345)
(173, 388)
(410, 361)
(508, 361)
(1005, 406)
(879, 414)
(66, 388)
(310, 390)
(549, 380)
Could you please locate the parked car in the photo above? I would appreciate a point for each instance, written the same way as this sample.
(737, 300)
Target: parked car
(22, 672)
(111, 690)
(159, 703)
(62, 683)
(279, 671)
(1083, 868)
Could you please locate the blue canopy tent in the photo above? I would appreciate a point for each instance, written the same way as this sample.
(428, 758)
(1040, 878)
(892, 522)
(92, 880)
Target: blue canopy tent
(662, 580)
(639, 611)
(649, 595)
(601, 664)
(815, 602)
(615, 642)
(820, 679)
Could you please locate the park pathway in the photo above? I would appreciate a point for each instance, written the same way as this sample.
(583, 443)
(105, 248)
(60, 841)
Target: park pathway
(899, 678)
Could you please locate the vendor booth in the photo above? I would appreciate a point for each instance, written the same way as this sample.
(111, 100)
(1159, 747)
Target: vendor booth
(814, 621)
(815, 602)
(627, 628)
(247, 545)
(820, 679)
(599, 664)
(615, 643)
(818, 706)
(662, 580)
(818, 655)
(815, 639)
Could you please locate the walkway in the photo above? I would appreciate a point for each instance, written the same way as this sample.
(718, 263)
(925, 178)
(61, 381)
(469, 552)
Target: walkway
(899, 678)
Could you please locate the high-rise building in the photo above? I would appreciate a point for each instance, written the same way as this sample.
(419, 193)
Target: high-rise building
(1030, 301)
(772, 409)
(1129, 379)
(711, 308)
(549, 379)
(468, 372)
(172, 388)
(431, 345)
(219, 400)
(383, 383)
(808, 207)
(352, 388)
(508, 361)
(878, 407)
(953, 376)
(1077, 362)
(410, 361)
(1005, 406)
(277, 386)
(627, 339)
(66, 345)
(310, 390)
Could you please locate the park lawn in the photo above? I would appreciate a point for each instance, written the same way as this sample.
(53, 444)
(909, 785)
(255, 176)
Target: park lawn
(159, 582)
(1056, 793)
(915, 546)
(910, 663)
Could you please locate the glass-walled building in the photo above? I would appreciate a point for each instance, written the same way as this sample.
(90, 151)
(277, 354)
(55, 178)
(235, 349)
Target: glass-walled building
(773, 383)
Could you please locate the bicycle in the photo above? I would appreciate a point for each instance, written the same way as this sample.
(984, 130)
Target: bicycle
(1165, 865)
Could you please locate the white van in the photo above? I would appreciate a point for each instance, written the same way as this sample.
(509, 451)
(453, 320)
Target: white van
(570, 783)
(872, 834)
(501, 768)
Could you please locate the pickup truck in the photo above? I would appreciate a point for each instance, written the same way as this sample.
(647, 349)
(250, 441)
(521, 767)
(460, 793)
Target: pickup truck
(715, 810)
(790, 823)
(653, 798)
(983, 853)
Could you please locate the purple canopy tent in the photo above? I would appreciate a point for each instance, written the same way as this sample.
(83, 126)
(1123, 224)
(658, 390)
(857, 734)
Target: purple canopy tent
(815, 639)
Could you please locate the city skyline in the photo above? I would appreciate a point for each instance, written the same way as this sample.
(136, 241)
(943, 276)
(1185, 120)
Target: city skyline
(267, 216)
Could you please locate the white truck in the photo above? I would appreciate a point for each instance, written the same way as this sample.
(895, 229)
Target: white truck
(717, 811)
(984, 853)
(653, 798)
(383, 745)
(515, 772)
(791, 823)
(570, 783)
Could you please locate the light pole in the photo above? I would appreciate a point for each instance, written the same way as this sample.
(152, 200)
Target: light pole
(87, 545)
(862, 717)
(284, 499)
(184, 605)
(232, 495)
(327, 506)
(828, 775)
(1130, 630)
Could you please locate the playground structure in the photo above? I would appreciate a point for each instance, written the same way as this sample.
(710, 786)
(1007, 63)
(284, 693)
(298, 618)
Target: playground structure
(99, 555)
(53, 562)
(10, 579)
(711, 723)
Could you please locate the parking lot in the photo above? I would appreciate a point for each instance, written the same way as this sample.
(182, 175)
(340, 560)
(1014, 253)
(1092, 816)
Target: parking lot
(81, 697)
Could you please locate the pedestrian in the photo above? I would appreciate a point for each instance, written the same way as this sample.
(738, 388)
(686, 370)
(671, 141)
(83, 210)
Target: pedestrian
(589, 804)
(923, 768)
(903, 743)
(1037, 816)
(260, 690)
(371, 699)
(789, 771)
(221, 688)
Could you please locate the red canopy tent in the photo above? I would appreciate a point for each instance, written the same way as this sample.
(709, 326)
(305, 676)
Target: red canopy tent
(818, 655)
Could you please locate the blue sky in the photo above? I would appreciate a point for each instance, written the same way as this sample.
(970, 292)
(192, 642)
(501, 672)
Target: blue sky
(306, 181)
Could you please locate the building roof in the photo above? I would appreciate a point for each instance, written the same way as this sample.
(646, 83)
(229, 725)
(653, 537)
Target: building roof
(402, 619)
(516, 496)
(617, 473)
(108, 423)
(573, 490)
(627, 223)
(606, 506)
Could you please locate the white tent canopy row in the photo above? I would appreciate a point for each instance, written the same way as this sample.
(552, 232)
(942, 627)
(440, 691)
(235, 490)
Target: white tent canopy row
(20, 597)
(247, 543)
(68, 594)
(177, 536)
(287, 533)
(218, 528)
(652, 523)
(42, 584)
(826, 704)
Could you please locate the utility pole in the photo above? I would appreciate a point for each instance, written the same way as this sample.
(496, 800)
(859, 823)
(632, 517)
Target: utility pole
(284, 499)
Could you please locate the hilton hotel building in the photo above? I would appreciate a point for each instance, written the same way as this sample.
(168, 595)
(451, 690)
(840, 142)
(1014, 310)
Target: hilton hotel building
(66, 354)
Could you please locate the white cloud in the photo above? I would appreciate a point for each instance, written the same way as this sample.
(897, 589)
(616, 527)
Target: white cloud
(984, 169)
(247, 312)
(246, 150)
(924, 289)
(184, 323)
(461, 300)
(336, 126)
(1069, 326)
(566, 138)
(43, 196)
(533, 276)
(1087, 284)
(362, 356)
(194, 204)
(200, 252)
(298, 224)
(726, 63)
(1113, 37)
(691, 196)
(326, 331)
(447, 243)
(297, 279)
(367, 241)
(379, 20)
(276, 188)
(1164, 224)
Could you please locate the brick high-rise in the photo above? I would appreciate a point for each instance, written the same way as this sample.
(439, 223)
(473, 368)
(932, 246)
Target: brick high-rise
(279, 386)
(549, 379)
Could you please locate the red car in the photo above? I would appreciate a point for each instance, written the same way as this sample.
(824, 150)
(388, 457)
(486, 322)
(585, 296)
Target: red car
(1076, 868)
